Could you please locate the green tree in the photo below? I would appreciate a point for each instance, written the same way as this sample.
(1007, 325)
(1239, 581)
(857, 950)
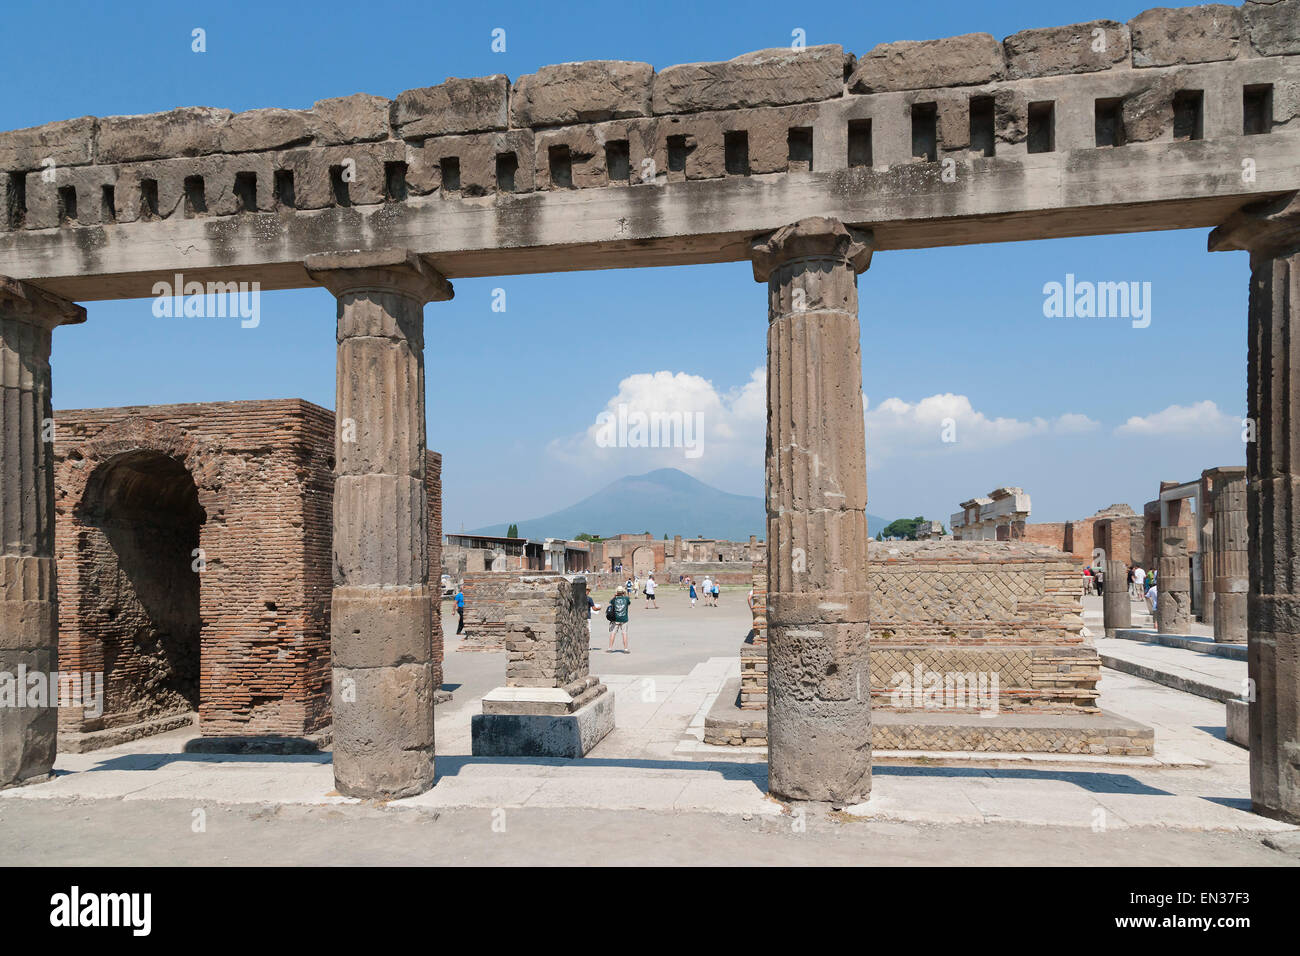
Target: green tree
(512, 531)
(587, 536)
(904, 528)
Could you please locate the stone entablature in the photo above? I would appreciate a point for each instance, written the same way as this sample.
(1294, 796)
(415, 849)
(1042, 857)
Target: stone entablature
(999, 517)
(578, 127)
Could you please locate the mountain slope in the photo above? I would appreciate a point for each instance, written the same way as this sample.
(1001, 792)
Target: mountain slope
(666, 501)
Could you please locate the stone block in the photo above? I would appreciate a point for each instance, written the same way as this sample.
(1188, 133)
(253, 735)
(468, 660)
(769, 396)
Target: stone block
(1273, 26)
(264, 129)
(1237, 727)
(968, 60)
(358, 118)
(382, 711)
(774, 77)
(1077, 48)
(459, 105)
(1168, 36)
(381, 627)
(188, 131)
(589, 92)
(568, 736)
(67, 143)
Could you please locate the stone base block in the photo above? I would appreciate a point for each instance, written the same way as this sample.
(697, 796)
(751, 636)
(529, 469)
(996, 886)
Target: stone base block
(263, 744)
(1238, 722)
(84, 741)
(535, 722)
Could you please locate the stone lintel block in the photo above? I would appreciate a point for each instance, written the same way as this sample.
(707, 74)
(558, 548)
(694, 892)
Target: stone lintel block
(1076, 48)
(389, 269)
(476, 156)
(359, 118)
(316, 168)
(472, 105)
(774, 77)
(968, 60)
(65, 143)
(269, 128)
(188, 131)
(380, 536)
(589, 92)
(1168, 36)
(568, 736)
(1273, 25)
(32, 305)
(381, 627)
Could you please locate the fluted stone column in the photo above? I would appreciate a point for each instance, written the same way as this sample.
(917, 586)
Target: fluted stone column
(1231, 556)
(1116, 611)
(381, 614)
(819, 714)
(29, 635)
(1173, 583)
(1270, 231)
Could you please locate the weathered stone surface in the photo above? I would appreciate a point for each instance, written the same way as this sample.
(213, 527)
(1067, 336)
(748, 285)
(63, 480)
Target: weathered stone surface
(776, 77)
(188, 131)
(67, 143)
(967, 60)
(358, 118)
(1273, 25)
(381, 627)
(589, 92)
(1165, 36)
(1077, 48)
(267, 129)
(1148, 113)
(567, 736)
(459, 105)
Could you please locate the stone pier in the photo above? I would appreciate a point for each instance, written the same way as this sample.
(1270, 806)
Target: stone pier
(819, 713)
(1173, 583)
(1231, 555)
(1270, 231)
(1115, 608)
(29, 638)
(381, 624)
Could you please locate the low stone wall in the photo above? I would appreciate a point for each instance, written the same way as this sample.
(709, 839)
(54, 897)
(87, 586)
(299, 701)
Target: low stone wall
(488, 606)
(546, 631)
(727, 574)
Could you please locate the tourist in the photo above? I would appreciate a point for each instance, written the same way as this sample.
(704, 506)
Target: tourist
(716, 591)
(460, 611)
(708, 590)
(630, 587)
(1136, 580)
(1151, 599)
(591, 606)
(616, 614)
(650, 591)
(1098, 579)
(692, 584)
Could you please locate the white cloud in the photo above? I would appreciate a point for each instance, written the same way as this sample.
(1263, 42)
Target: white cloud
(950, 422)
(1202, 420)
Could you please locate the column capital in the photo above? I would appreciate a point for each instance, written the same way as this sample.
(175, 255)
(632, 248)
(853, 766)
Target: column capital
(1266, 228)
(28, 303)
(386, 270)
(817, 237)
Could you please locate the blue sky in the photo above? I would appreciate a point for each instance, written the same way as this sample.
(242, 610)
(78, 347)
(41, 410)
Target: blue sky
(513, 397)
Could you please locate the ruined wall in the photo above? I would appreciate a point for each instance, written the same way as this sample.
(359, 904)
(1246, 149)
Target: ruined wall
(546, 631)
(262, 474)
(488, 606)
(1050, 534)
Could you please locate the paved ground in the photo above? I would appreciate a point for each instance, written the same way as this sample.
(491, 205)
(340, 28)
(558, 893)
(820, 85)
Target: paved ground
(643, 795)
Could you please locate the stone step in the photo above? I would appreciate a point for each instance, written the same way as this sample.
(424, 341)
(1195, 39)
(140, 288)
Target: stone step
(1189, 642)
(1208, 675)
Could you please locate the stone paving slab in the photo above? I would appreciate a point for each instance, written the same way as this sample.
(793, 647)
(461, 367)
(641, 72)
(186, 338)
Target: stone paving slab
(1205, 675)
(1187, 642)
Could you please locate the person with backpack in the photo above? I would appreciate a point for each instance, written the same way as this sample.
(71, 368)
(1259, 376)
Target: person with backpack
(616, 614)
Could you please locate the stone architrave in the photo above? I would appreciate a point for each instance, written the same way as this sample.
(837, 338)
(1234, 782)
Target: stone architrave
(1173, 583)
(1270, 231)
(381, 617)
(29, 635)
(819, 712)
(1115, 608)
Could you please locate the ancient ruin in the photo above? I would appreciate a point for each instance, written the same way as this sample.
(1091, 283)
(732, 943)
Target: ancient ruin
(803, 161)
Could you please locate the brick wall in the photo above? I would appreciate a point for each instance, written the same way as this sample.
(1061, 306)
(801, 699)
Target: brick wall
(262, 475)
(546, 631)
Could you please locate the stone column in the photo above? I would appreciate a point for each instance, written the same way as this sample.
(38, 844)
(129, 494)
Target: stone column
(1173, 583)
(1231, 553)
(1271, 232)
(29, 620)
(381, 614)
(819, 713)
(1115, 608)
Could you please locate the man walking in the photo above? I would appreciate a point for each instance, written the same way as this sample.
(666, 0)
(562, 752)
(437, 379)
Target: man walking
(460, 611)
(650, 591)
(616, 614)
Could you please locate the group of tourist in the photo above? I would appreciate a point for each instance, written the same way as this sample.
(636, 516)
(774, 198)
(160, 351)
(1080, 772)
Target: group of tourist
(1141, 583)
(708, 587)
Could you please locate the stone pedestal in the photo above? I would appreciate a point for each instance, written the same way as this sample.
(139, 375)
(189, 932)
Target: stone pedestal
(29, 642)
(381, 616)
(1173, 583)
(1115, 608)
(1271, 232)
(819, 714)
(1231, 555)
(550, 706)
